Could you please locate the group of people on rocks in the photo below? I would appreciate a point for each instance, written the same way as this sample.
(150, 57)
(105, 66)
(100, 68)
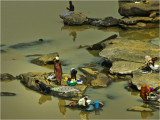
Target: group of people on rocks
(58, 74)
(147, 90)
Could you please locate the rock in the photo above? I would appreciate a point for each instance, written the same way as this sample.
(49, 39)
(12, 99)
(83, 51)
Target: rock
(106, 22)
(75, 19)
(128, 50)
(135, 20)
(140, 9)
(129, 88)
(89, 71)
(111, 97)
(41, 40)
(140, 26)
(100, 45)
(28, 79)
(153, 14)
(92, 64)
(139, 22)
(46, 59)
(6, 77)
(109, 21)
(7, 94)
(83, 46)
(124, 67)
(139, 109)
(94, 21)
(149, 79)
(2, 45)
(29, 44)
(101, 81)
(34, 55)
(156, 19)
(3, 51)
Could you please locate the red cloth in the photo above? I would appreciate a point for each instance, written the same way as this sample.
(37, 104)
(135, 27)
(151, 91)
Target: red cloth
(58, 71)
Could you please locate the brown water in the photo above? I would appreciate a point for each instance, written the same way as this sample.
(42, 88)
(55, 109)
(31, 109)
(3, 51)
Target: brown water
(24, 22)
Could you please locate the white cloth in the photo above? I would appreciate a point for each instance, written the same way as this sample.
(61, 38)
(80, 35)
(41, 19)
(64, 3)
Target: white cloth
(81, 102)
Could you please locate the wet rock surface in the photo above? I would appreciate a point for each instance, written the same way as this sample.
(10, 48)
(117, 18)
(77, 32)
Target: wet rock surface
(6, 77)
(34, 55)
(100, 45)
(149, 79)
(126, 67)
(3, 51)
(30, 44)
(140, 109)
(129, 50)
(106, 22)
(127, 57)
(137, 16)
(75, 19)
(45, 59)
(7, 94)
(139, 22)
(138, 9)
(101, 81)
(28, 79)
(95, 78)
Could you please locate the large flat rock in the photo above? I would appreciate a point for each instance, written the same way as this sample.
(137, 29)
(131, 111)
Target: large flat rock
(139, 109)
(149, 79)
(129, 50)
(124, 67)
(138, 9)
(45, 59)
(28, 79)
(101, 81)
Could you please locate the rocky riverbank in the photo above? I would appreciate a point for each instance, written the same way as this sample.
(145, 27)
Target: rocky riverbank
(136, 16)
(127, 57)
(28, 79)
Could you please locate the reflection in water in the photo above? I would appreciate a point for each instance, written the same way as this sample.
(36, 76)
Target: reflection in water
(135, 93)
(44, 98)
(73, 29)
(145, 115)
(62, 107)
(144, 34)
(84, 115)
(74, 34)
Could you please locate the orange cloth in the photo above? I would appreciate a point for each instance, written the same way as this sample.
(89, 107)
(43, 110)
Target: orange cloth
(145, 90)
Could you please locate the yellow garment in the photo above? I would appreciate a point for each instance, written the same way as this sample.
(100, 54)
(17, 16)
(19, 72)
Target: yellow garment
(65, 79)
(146, 2)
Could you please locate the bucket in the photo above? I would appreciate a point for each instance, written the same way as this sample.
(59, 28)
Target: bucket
(96, 104)
(89, 102)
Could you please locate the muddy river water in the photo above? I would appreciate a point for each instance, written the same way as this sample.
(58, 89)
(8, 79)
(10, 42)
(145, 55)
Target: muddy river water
(27, 21)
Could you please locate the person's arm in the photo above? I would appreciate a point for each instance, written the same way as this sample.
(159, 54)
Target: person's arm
(54, 68)
(39, 87)
(61, 67)
(67, 8)
(148, 90)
